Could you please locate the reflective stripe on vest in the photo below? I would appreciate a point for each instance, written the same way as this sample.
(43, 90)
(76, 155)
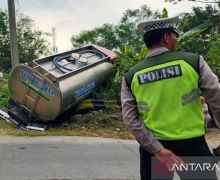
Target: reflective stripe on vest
(171, 106)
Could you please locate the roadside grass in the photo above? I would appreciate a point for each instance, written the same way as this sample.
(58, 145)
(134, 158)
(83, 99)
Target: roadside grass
(107, 124)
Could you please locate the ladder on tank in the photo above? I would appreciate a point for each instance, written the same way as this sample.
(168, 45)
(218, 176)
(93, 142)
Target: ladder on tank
(34, 100)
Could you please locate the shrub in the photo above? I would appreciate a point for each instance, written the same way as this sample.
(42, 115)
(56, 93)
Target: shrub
(4, 93)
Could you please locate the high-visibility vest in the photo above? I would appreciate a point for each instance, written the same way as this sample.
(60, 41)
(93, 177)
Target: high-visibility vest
(167, 94)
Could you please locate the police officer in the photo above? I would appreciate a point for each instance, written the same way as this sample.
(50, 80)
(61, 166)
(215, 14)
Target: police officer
(160, 98)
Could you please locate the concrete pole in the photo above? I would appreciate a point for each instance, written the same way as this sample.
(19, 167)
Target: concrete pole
(13, 34)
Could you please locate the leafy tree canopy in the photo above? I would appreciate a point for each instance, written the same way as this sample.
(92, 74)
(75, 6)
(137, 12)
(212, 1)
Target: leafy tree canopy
(201, 1)
(164, 13)
(32, 42)
(199, 34)
(116, 36)
(197, 28)
(124, 38)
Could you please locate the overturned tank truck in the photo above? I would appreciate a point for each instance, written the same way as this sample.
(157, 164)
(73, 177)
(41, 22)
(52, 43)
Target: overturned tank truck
(45, 88)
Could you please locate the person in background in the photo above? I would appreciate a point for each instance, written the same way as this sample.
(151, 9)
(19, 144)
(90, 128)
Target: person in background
(205, 110)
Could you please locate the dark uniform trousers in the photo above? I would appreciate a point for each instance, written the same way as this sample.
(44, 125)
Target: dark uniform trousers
(187, 147)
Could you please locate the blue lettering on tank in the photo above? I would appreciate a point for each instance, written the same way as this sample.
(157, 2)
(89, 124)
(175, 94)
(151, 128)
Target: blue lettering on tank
(34, 81)
(84, 89)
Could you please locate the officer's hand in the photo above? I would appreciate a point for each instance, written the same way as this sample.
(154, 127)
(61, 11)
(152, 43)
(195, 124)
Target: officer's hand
(166, 154)
(216, 150)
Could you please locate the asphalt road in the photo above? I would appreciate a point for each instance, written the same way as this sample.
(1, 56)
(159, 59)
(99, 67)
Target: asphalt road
(69, 158)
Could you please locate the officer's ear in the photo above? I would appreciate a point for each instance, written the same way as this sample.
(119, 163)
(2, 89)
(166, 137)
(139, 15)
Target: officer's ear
(166, 38)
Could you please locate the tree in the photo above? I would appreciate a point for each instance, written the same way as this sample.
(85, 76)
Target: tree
(116, 36)
(103, 36)
(32, 42)
(197, 30)
(201, 34)
(201, 1)
(4, 40)
(164, 13)
(197, 27)
(213, 54)
(124, 38)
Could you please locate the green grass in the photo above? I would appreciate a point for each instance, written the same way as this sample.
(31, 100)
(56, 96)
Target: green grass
(95, 124)
(4, 93)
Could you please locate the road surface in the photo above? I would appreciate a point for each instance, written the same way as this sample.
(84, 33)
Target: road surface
(69, 158)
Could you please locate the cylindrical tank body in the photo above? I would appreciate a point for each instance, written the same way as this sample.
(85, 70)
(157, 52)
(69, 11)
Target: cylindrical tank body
(45, 92)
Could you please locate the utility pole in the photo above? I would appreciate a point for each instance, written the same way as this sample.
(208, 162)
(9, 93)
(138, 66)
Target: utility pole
(54, 48)
(13, 34)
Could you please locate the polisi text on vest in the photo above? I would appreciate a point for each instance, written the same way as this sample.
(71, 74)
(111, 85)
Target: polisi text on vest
(160, 74)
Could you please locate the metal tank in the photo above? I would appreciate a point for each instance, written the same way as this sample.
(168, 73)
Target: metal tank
(47, 87)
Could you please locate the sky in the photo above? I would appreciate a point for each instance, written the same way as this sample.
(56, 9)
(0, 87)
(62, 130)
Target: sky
(70, 17)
